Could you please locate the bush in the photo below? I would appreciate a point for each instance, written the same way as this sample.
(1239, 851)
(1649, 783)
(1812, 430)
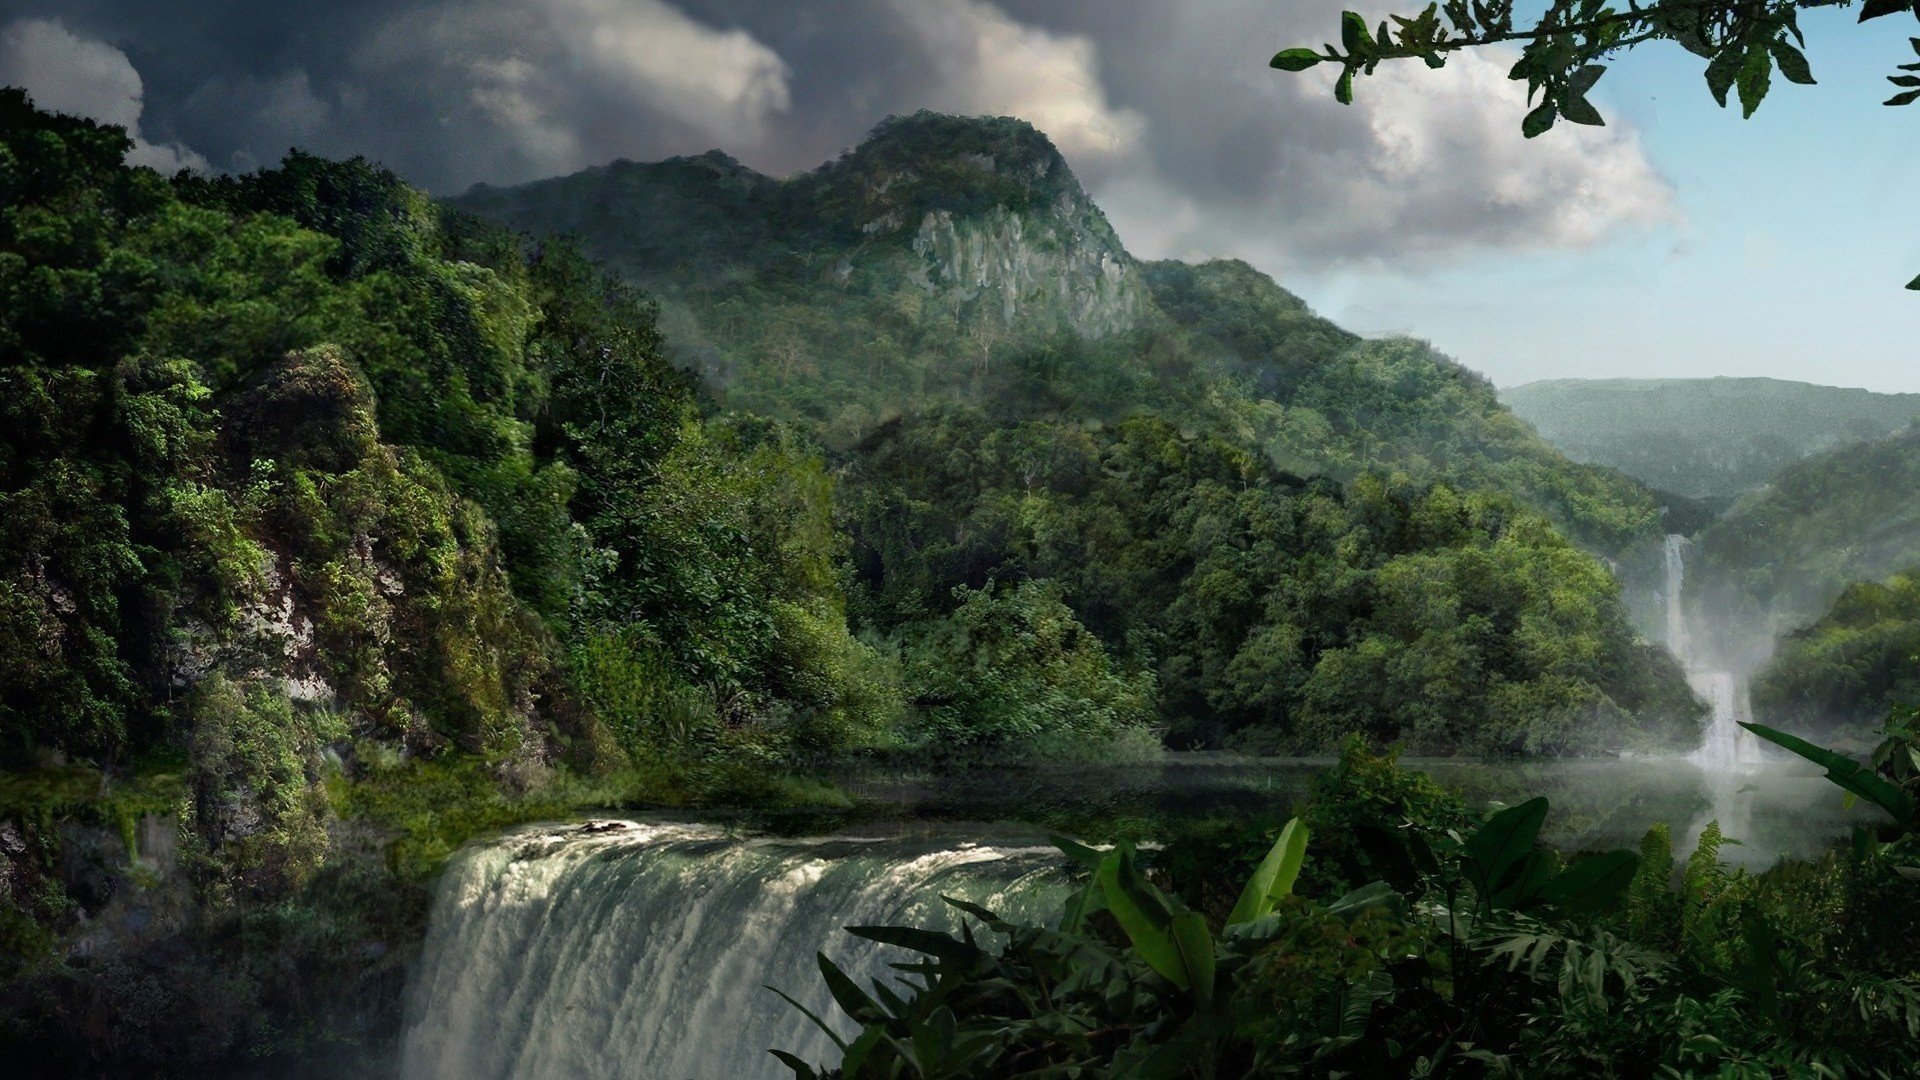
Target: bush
(1011, 667)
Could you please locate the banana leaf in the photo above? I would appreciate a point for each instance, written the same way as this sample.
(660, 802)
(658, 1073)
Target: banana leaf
(1846, 772)
(1275, 875)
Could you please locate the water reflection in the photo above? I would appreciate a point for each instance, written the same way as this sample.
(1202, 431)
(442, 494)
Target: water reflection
(1773, 809)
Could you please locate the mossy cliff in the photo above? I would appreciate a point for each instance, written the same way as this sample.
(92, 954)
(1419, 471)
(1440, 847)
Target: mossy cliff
(335, 531)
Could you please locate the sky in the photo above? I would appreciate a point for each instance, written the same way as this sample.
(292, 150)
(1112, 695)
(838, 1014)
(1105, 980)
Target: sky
(1679, 240)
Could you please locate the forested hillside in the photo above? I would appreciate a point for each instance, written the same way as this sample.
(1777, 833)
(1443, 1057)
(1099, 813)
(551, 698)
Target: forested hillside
(1278, 613)
(955, 260)
(1710, 439)
(1783, 554)
(334, 533)
(1846, 672)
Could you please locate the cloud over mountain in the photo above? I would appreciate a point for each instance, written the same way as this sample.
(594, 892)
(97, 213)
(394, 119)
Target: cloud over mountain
(1169, 113)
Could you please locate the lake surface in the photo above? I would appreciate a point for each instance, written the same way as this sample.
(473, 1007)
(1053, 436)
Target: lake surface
(1774, 808)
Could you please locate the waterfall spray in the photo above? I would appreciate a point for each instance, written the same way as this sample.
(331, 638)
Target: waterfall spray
(1724, 743)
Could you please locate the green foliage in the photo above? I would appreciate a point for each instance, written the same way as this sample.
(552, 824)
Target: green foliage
(1851, 667)
(1784, 555)
(1275, 875)
(1560, 59)
(258, 802)
(1278, 613)
(1120, 430)
(1011, 666)
(322, 411)
(1651, 912)
(1322, 401)
(1368, 816)
(383, 528)
(1735, 975)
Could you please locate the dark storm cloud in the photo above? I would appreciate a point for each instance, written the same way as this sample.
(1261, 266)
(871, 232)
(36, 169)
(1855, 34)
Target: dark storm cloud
(1168, 111)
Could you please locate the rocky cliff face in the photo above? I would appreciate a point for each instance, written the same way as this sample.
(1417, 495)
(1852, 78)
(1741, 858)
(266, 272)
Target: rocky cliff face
(981, 215)
(995, 221)
(1045, 271)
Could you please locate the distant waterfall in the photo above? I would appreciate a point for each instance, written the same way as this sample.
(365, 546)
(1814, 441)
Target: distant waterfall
(642, 950)
(1723, 745)
(1679, 641)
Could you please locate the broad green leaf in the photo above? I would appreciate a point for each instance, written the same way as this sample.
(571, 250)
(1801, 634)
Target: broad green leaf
(1275, 875)
(1539, 120)
(1581, 111)
(1377, 894)
(975, 910)
(1080, 907)
(1793, 63)
(1592, 884)
(1581, 81)
(1195, 942)
(1295, 59)
(1874, 9)
(926, 941)
(1522, 886)
(1141, 915)
(1756, 75)
(861, 1049)
(801, 1070)
(1343, 89)
(1354, 35)
(1499, 846)
(1722, 70)
(852, 1000)
(1846, 772)
(1078, 852)
(933, 1040)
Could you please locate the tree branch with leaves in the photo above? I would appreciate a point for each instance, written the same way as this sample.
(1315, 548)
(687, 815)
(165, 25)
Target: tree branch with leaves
(1563, 54)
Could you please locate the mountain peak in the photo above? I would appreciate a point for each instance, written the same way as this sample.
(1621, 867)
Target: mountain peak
(980, 216)
(961, 164)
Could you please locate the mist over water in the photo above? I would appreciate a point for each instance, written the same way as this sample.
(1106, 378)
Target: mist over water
(1730, 763)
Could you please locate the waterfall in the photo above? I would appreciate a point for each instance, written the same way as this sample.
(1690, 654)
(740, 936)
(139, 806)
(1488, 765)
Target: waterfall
(1679, 642)
(1723, 745)
(622, 949)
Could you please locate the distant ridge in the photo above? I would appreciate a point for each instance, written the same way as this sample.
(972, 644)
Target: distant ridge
(1711, 438)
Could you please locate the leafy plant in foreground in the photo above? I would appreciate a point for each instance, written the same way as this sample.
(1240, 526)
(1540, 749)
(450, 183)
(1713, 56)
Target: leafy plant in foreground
(1131, 981)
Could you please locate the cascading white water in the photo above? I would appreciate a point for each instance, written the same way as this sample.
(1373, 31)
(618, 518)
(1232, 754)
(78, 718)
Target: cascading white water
(622, 949)
(1723, 744)
(1679, 642)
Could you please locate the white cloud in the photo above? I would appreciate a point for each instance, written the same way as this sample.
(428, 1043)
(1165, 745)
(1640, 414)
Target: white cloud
(712, 79)
(987, 62)
(570, 82)
(1448, 142)
(82, 76)
(1425, 168)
